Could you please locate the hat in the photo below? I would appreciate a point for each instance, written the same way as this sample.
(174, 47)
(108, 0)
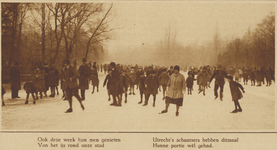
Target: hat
(176, 68)
(230, 77)
(112, 64)
(84, 60)
(66, 62)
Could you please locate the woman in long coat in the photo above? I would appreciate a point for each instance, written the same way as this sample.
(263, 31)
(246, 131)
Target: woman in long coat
(176, 90)
(204, 80)
(94, 78)
(37, 76)
(84, 71)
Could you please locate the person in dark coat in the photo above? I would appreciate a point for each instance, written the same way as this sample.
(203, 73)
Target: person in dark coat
(163, 81)
(94, 78)
(15, 79)
(259, 77)
(70, 77)
(170, 71)
(204, 80)
(107, 81)
(268, 78)
(84, 72)
(37, 76)
(29, 87)
(252, 77)
(124, 84)
(219, 76)
(44, 66)
(189, 82)
(235, 93)
(245, 76)
(52, 81)
(152, 86)
(115, 85)
(3, 92)
(133, 78)
(141, 85)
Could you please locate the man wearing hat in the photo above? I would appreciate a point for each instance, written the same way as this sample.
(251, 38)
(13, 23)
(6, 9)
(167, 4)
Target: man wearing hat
(70, 77)
(219, 76)
(15, 80)
(176, 90)
(115, 85)
(84, 71)
(151, 87)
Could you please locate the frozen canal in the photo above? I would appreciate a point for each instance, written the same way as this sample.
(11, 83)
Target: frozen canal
(198, 114)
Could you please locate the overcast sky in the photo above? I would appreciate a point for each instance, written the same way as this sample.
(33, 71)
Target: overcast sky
(145, 22)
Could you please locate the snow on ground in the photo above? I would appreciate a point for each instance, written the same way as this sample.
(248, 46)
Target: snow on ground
(198, 114)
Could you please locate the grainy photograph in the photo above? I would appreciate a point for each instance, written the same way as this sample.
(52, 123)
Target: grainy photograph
(138, 66)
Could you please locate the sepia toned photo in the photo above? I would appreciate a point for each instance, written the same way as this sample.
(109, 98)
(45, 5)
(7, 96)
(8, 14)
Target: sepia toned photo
(138, 67)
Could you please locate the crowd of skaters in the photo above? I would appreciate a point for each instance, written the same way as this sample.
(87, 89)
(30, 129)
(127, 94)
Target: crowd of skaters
(121, 80)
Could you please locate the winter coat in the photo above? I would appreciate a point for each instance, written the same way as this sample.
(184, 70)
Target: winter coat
(205, 79)
(46, 77)
(152, 85)
(133, 77)
(29, 87)
(38, 80)
(94, 77)
(53, 77)
(84, 71)
(15, 78)
(189, 82)
(72, 73)
(176, 86)
(252, 75)
(115, 83)
(163, 79)
(235, 91)
(219, 76)
(140, 82)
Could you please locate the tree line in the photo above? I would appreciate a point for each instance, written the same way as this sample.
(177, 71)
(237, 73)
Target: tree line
(52, 32)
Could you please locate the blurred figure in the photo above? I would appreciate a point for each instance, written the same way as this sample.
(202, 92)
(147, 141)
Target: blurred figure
(219, 76)
(84, 71)
(15, 80)
(235, 93)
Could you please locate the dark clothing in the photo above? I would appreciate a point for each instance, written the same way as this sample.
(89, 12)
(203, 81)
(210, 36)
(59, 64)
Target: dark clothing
(235, 91)
(46, 78)
(189, 82)
(15, 78)
(94, 77)
(141, 84)
(71, 73)
(53, 77)
(38, 76)
(107, 81)
(84, 72)
(219, 76)
(29, 87)
(115, 83)
(152, 85)
(177, 101)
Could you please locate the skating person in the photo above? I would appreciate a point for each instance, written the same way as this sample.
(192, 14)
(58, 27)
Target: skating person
(141, 85)
(151, 87)
(115, 85)
(245, 76)
(63, 83)
(235, 93)
(94, 78)
(107, 81)
(133, 77)
(252, 77)
(84, 72)
(38, 80)
(44, 66)
(204, 80)
(70, 77)
(176, 90)
(189, 82)
(268, 78)
(3, 92)
(219, 76)
(163, 81)
(15, 79)
(124, 84)
(52, 81)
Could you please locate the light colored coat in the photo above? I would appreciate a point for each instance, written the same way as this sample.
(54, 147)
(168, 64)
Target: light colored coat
(176, 86)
